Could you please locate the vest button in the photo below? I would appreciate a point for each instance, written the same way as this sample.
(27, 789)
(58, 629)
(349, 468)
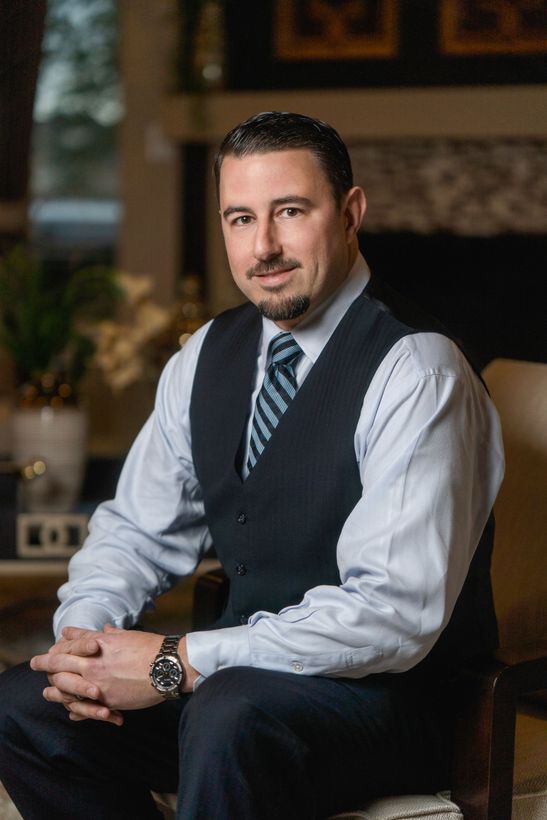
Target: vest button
(241, 569)
(242, 518)
(243, 619)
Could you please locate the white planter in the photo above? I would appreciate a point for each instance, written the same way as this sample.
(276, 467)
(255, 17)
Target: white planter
(59, 438)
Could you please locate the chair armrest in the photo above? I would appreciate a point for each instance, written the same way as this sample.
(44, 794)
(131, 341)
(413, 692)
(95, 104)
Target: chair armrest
(210, 596)
(485, 734)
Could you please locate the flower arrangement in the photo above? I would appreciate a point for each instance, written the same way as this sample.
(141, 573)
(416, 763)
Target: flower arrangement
(56, 327)
(131, 347)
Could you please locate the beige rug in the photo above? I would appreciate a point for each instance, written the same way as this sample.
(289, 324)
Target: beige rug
(7, 809)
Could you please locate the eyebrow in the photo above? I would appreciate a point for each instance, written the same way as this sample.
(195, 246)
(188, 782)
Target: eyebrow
(282, 200)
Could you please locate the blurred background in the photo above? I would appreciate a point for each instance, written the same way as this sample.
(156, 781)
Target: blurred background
(110, 111)
(110, 247)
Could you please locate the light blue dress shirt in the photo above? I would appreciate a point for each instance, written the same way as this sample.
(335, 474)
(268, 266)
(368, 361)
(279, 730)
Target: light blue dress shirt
(429, 450)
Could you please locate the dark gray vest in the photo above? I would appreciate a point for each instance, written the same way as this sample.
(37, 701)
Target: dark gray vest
(276, 532)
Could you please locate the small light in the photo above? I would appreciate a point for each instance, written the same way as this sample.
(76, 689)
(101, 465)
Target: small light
(39, 467)
(212, 72)
(48, 381)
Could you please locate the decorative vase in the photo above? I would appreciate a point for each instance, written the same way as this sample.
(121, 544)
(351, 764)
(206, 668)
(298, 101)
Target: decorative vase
(57, 436)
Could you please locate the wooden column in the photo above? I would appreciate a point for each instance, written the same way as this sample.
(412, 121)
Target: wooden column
(21, 31)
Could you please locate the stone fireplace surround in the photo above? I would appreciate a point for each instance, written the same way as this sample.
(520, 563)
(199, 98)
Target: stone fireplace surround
(461, 227)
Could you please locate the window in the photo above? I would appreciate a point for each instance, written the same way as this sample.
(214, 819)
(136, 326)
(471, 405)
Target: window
(74, 181)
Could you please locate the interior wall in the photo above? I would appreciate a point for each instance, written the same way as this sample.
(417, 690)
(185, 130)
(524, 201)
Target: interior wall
(150, 236)
(150, 163)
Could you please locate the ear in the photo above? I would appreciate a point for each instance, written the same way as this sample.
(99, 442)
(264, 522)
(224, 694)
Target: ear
(354, 207)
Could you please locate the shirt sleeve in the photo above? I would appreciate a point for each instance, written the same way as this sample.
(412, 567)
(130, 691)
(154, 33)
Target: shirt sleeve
(429, 451)
(154, 531)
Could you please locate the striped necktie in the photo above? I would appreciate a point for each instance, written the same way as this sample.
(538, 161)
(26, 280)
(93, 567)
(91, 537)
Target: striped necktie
(277, 391)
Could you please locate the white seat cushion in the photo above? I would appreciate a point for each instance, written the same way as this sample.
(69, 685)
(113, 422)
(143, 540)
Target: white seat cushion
(530, 781)
(407, 807)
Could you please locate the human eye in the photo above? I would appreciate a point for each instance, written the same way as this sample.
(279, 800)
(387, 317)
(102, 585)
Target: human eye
(290, 212)
(242, 219)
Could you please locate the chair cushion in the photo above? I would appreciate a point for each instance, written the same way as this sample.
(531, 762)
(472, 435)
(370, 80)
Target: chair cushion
(530, 780)
(530, 806)
(407, 807)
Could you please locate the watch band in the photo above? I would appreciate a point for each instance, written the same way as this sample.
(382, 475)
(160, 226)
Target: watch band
(170, 645)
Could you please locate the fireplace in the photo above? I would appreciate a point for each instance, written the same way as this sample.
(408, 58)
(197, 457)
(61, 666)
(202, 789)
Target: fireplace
(460, 226)
(490, 292)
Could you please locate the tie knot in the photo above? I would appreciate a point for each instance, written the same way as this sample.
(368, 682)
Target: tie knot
(284, 349)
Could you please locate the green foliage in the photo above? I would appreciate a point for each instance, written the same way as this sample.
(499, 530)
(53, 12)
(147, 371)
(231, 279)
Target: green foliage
(80, 59)
(43, 314)
(79, 101)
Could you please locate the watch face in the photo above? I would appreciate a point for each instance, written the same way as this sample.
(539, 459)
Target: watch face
(166, 673)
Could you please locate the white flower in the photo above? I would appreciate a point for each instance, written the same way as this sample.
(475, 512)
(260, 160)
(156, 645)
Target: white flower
(125, 349)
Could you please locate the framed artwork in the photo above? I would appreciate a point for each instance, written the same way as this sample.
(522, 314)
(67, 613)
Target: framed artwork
(384, 43)
(470, 27)
(335, 29)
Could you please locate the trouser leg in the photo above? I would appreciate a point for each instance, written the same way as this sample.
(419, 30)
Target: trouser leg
(254, 745)
(57, 769)
(259, 745)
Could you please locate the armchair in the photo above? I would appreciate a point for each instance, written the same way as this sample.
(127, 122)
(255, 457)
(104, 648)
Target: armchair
(502, 707)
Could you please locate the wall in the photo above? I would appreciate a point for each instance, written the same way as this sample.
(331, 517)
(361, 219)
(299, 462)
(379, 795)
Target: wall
(149, 241)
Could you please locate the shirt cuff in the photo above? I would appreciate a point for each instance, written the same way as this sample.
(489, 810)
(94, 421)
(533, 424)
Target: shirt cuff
(84, 616)
(218, 648)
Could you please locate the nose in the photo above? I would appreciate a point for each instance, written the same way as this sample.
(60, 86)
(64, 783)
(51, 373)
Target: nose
(267, 243)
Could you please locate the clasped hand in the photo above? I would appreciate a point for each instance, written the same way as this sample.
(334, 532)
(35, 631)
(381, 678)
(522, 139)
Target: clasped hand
(98, 674)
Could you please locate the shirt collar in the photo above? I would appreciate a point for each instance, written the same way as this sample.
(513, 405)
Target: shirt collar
(313, 333)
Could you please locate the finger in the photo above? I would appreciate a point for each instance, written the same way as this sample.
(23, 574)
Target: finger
(84, 646)
(58, 647)
(74, 633)
(54, 695)
(87, 709)
(81, 708)
(57, 663)
(70, 687)
(74, 685)
(111, 628)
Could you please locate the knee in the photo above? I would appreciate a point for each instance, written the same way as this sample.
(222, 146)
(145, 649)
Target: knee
(227, 705)
(20, 696)
(240, 688)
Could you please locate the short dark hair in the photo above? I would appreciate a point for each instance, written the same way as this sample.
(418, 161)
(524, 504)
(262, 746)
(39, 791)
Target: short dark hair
(283, 131)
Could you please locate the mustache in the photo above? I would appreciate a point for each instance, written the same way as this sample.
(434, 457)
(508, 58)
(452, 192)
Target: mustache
(272, 266)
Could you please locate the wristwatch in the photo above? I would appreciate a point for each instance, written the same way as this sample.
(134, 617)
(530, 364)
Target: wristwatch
(167, 673)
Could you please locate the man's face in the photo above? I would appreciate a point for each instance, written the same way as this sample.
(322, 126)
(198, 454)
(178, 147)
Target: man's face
(289, 244)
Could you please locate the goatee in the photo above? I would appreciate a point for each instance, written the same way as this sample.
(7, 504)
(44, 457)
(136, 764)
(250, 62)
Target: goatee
(284, 309)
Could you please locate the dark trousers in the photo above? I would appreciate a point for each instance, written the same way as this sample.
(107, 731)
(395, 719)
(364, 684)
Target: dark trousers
(248, 745)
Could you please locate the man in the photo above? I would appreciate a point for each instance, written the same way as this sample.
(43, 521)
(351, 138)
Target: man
(344, 465)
